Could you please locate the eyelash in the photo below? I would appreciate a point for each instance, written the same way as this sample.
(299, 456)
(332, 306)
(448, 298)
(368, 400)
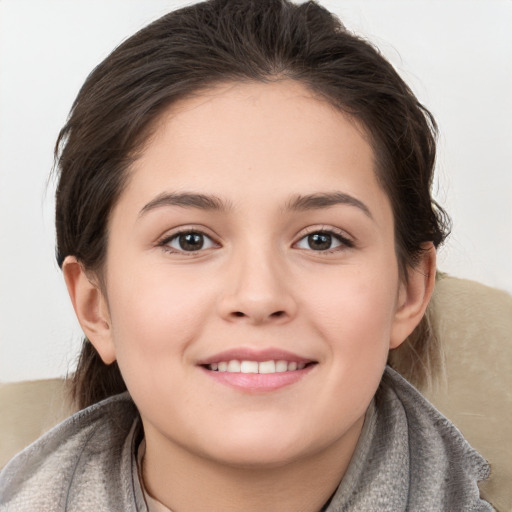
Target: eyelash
(164, 242)
(344, 242)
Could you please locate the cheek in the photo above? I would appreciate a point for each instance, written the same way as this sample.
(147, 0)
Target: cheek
(154, 316)
(355, 313)
(357, 324)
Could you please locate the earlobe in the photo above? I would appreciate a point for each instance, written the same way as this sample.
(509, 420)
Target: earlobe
(90, 307)
(414, 296)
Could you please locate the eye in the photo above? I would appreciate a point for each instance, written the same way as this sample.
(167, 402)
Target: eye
(323, 241)
(188, 241)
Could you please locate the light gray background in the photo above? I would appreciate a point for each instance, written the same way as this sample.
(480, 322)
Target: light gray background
(456, 55)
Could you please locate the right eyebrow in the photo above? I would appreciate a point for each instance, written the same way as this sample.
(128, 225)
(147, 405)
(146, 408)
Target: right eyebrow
(326, 200)
(186, 200)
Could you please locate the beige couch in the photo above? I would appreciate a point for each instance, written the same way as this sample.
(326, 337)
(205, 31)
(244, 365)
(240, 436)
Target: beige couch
(474, 323)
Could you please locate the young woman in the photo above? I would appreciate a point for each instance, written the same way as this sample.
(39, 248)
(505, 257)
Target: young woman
(246, 230)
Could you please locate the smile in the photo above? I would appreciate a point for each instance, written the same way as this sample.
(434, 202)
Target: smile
(257, 371)
(235, 366)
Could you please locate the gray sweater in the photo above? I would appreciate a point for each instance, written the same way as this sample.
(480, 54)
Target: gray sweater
(409, 458)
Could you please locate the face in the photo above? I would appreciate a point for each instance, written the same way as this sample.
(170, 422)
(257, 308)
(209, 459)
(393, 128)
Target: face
(251, 279)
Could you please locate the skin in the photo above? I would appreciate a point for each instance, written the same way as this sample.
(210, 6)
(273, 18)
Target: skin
(256, 284)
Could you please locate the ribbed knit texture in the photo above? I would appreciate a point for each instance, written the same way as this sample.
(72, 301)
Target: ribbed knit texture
(408, 458)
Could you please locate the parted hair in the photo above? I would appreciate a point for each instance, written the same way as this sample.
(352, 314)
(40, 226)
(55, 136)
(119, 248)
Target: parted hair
(219, 41)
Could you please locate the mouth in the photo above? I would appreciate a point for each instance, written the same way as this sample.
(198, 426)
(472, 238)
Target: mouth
(263, 367)
(257, 370)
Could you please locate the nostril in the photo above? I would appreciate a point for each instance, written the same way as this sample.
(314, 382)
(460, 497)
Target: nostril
(276, 314)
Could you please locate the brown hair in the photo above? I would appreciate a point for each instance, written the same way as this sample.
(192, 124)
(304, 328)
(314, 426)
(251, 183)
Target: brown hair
(217, 41)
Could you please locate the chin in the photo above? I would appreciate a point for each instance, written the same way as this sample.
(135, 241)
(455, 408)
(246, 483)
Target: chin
(255, 458)
(252, 450)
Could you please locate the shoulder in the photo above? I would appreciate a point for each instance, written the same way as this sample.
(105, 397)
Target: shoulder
(443, 467)
(67, 469)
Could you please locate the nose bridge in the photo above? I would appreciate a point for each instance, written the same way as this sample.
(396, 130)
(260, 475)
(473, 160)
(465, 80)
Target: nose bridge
(257, 287)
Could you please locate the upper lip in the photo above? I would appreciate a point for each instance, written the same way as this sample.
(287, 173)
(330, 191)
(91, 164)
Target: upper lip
(258, 355)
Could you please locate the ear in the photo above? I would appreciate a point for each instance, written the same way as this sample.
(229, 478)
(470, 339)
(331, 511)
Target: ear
(91, 308)
(414, 296)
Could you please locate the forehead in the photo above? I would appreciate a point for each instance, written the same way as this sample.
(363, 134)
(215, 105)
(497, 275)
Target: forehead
(244, 141)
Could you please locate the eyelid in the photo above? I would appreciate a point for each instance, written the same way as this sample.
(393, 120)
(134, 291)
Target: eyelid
(171, 234)
(346, 240)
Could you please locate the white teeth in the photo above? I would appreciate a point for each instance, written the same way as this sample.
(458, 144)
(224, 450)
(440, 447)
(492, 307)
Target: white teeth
(235, 366)
(281, 366)
(249, 367)
(267, 367)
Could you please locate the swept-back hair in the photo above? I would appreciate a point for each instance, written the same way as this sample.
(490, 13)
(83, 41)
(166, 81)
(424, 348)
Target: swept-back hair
(197, 47)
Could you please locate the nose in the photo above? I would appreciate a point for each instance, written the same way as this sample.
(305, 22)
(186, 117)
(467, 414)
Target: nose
(257, 290)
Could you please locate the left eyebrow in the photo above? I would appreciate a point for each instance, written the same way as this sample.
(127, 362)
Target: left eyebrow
(326, 200)
(186, 200)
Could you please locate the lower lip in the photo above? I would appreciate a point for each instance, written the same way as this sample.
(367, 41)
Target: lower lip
(258, 382)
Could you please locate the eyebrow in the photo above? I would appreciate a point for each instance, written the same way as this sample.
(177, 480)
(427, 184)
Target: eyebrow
(325, 200)
(214, 203)
(186, 200)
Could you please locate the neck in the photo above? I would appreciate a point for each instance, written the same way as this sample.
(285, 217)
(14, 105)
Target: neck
(187, 482)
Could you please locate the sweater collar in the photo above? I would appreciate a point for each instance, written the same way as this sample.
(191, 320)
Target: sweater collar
(409, 457)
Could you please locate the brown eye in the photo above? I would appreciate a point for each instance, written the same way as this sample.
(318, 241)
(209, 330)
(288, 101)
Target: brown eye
(189, 241)
(319, 241)
(323, 241)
